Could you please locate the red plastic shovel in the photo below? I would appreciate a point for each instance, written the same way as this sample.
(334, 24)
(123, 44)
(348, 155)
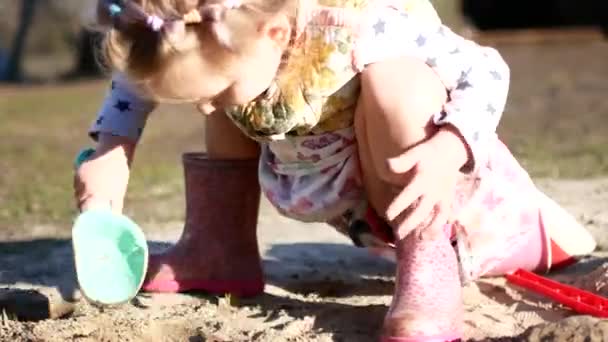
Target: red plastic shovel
(582, 302)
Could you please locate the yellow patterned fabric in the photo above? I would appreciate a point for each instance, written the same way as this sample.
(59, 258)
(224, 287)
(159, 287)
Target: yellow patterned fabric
(316, 90)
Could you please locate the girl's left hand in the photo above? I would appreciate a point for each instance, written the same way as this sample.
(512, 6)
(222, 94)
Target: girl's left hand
(434, 167)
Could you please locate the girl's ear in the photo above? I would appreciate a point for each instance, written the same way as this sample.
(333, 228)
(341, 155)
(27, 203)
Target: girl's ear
(277, 29)
(214, 15)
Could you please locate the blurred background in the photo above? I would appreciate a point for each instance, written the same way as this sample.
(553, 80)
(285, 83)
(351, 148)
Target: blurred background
(51, 87)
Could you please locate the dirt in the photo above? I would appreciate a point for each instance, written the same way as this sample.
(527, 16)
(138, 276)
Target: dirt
(580, 328)
(596, 281)
(320, 288)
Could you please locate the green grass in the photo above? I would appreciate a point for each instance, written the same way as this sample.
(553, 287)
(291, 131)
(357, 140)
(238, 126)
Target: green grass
(42, 129)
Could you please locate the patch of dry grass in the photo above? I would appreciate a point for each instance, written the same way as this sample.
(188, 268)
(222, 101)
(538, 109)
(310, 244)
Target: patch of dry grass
(43, 128)
(556, 120)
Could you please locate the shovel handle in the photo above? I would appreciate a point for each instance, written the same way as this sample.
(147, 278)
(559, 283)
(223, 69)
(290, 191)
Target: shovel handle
(83, 156)
(580, 301)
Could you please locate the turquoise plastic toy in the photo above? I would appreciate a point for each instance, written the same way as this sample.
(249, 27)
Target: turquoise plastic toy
(110, 252)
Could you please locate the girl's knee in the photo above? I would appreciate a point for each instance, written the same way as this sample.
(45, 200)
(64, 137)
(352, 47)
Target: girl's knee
(398, 99)
(405, 87)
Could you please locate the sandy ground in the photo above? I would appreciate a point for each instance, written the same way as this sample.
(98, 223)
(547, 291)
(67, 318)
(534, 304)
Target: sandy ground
(320, 289)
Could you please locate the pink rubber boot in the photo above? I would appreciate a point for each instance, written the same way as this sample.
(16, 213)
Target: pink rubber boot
(218, 250)
(427, 304)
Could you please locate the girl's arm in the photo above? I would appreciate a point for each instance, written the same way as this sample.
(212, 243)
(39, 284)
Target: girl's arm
(104, 176)
(476, 78)
(122, 117)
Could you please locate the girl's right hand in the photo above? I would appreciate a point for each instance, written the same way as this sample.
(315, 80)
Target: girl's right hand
(102, 180)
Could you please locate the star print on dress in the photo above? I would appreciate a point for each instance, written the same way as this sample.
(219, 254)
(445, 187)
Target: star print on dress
(123, 106)
(431, 61)
(99, 120)
(379, 27)
(476, 136)
(455, 51)
(421, 40)
(496, 75)
(490, 109)
(463, 82)
(463, 85)
(491, 201)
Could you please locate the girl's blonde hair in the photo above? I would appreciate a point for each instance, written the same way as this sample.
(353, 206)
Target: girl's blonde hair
(205, 29)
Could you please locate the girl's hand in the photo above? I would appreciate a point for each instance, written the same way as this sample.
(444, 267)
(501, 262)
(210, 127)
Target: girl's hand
(434, 167)
(102, 180)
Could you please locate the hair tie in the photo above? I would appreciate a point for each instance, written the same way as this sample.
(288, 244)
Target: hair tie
(114, 10)
(155, 23)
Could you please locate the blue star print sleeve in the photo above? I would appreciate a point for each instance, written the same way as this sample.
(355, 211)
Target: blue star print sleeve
(124, 113)
(476, 77)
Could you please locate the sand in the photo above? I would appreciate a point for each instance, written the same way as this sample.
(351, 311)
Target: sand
(320, 288)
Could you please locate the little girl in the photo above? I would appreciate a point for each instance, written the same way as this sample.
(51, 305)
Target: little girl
(368, 115)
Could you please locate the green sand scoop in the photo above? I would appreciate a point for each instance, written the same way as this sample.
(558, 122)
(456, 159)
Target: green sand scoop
(110, 252)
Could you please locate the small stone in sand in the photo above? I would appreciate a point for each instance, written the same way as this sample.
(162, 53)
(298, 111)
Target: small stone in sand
(33, 304)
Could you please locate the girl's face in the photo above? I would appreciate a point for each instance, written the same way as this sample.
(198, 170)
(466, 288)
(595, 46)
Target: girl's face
(251, 75)
(216, 80)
